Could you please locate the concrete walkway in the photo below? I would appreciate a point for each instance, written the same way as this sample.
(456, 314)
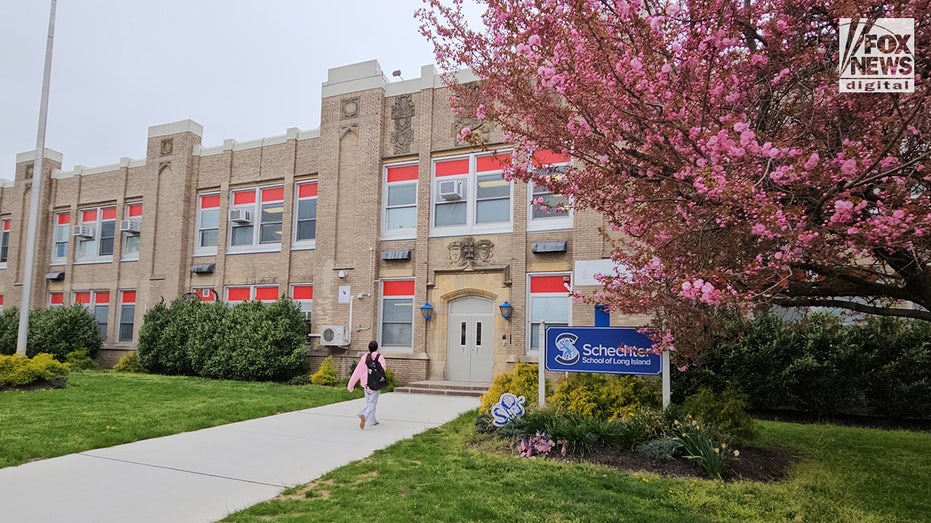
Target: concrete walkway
(204, 475)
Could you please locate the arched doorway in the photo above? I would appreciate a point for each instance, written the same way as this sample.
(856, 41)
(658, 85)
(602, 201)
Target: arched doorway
(470, 339)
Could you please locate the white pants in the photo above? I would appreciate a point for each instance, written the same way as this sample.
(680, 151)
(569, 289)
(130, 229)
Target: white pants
(371, 401)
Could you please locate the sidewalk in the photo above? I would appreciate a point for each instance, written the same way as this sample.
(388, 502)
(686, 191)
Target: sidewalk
(204, 475)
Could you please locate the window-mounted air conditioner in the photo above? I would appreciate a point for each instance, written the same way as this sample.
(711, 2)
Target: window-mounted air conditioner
(130, 226)
(82, 231)
(240, 216)
(451, 190)
(334, 336)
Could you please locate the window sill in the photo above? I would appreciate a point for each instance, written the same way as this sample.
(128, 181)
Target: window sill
(204, 253)
(253, 249)
(304, 246)
(93, 262)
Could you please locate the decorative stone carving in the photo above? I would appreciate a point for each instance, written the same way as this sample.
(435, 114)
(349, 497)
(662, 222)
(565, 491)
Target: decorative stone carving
(402, 113)
(350, 108)
(480, 130)
(168, 145)
(469, 252)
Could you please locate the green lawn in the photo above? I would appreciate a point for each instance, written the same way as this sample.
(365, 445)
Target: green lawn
(101, 409)
(843, 475)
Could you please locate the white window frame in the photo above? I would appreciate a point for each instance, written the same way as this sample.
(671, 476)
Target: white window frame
(209, 250)
(470, 181)
(554, 220)
(384, 302)
(533, 318)
(61, 235)
(256, 244)
(253, 290)
(97, 224)
(92, 306)
(120, 316)
(51, 305)
(312, 242)
(386, 207)
(306, 305)
(5, 233)
(129, 248)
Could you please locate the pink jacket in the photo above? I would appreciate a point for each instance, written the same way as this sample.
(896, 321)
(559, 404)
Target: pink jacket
(361, 373)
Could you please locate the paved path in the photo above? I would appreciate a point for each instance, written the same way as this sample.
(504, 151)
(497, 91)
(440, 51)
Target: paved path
(204, 475)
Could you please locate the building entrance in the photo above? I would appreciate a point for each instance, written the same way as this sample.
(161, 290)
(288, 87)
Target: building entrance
(470, 339)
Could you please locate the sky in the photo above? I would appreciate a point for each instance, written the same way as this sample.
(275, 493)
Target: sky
(243, 69)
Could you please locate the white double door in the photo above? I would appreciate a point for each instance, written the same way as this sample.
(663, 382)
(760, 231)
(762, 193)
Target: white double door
(470, 339)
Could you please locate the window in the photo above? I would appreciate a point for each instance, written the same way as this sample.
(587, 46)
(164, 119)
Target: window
(471, 194)
(56, 299)
(549, 302)
(96, 232)
(305, 215)
(548, 210)
(255, 219)
(133, 214)
(397, 313)
(127, 315)
(60, 237)
(400, 202)
(98, 303)
(205, 294)
(1, 303)
(240, 293)
(5, 243)
(208, 224)
(303, 296)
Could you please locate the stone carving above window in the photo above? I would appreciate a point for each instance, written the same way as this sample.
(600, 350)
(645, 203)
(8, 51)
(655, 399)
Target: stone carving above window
(402, 113)
(468, 252)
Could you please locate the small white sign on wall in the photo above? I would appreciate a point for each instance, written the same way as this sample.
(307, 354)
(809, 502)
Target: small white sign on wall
(343, 294)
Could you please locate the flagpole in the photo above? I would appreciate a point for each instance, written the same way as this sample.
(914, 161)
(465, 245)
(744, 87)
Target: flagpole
(28, 270)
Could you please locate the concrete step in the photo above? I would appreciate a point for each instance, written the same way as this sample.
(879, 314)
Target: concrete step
(445, 388)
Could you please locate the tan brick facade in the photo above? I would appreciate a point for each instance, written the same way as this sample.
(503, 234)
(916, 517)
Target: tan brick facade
(367, 124)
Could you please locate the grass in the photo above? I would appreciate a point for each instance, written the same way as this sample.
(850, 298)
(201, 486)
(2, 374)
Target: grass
(102, 409)
(843, 475)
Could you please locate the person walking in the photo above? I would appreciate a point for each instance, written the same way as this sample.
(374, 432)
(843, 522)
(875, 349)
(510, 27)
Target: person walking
(360, 375)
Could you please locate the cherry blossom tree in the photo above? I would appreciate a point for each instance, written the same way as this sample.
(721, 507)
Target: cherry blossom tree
(713, 137)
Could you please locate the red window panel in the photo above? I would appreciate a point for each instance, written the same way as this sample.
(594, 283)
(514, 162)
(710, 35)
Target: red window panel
(547, 284)
(244, 197)
(307, 190)
(64, 218)
(402, 174)
(452, 167)
(135, 210)
(398, 288)
(546, 157)
(6, 225)
(302, 292)
(101, 298)
(492, 163)
(205, 294)
(266, 293)
(238, 293)
(273, 194)
(1, 299)
(56, 298)
(83, 298)
(210, 201)
(109, 213)
(89, 215)
(128, 297)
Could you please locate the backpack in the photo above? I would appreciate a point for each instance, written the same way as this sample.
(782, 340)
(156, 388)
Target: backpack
(377, 379)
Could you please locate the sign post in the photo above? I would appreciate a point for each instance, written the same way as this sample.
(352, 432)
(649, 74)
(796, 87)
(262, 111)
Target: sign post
(603, 350)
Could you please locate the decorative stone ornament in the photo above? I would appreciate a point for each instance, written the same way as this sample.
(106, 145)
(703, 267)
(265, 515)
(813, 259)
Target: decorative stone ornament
(402, 113)
(469, 252)
(168, 145)
(350, 108)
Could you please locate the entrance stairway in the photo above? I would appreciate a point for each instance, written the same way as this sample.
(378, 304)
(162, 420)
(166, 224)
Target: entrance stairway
(446, 388)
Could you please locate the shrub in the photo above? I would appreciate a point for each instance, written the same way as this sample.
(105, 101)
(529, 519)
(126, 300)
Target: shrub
(724, 412)
(62, 330)
(580, 433)
(603, 396)
(80, 360)
(327, 374)
(522, 381)
(210, 336)
(164, 336)
(540, 444)
(9, 325)
(130, 363)
(662, 449)
(20, 371)
(700, 446)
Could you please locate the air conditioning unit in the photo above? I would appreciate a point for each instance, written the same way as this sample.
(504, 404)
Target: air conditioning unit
(451, 190)
(82, 231)
(130, 226)
(334, 336)
(240, 216)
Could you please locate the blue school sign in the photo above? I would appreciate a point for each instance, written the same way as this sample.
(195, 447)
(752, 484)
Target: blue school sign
(602, 350)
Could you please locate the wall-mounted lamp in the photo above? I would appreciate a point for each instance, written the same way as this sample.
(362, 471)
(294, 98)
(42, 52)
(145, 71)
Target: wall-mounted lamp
(506, 310)
(426, 310)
